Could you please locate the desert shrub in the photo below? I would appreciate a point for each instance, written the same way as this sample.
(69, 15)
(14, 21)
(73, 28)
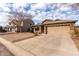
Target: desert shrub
(36, 33)
(2, 30)
(76, 32)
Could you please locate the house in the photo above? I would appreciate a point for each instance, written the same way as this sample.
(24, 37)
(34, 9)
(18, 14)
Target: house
(49, 26)
(19, 25)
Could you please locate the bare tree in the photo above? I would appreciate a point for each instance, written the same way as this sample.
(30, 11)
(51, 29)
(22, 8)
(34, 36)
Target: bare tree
(17, 17)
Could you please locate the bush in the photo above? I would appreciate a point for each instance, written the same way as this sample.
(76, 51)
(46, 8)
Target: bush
(1, 28)
(76, 32)
(36, 33)
(4, 31)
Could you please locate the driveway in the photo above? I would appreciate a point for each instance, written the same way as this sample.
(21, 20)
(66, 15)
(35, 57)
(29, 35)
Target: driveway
(58, 44)
(50, 44)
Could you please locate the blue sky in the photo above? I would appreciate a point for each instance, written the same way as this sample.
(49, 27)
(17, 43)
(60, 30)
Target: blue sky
(41, 11)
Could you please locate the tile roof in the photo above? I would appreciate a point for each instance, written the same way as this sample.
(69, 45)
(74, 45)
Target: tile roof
(58, 21)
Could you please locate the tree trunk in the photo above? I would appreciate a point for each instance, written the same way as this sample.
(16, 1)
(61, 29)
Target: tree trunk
(18, 28)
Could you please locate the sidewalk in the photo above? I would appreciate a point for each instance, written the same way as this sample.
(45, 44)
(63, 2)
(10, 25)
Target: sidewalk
(15, 50)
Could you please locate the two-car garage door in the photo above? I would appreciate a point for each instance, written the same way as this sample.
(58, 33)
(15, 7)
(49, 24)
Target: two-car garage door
(60, 30)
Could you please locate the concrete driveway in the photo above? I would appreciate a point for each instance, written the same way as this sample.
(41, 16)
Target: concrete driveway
(50, 44)
(59, 44)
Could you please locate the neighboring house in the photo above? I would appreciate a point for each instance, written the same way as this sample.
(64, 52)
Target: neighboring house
(55, 26)
(19, 25)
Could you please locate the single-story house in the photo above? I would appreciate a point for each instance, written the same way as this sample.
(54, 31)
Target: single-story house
(54, 26)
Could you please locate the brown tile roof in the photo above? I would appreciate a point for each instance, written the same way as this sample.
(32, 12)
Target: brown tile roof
(58, 21)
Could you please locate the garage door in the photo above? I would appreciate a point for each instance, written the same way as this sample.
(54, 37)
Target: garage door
(61, 29)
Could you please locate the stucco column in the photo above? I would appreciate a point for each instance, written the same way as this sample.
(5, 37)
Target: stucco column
(45, 29)
(34, 30)
(72, 30)
(8, 29)
(39, 29)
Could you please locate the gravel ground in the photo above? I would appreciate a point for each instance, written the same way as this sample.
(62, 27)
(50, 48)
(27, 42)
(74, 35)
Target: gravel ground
(13, 37)
(76, 41)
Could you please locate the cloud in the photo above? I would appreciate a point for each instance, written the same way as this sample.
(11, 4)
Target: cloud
(42, 11)
(3, 20)
(57, 11)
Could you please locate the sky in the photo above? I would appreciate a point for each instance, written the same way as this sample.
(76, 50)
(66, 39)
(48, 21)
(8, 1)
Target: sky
(40, 11)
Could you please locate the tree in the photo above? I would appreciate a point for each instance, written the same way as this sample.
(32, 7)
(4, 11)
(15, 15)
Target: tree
(1, 28)
(17, 16)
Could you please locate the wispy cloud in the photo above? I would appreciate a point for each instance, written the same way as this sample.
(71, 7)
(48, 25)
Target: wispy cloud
(41, 11)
